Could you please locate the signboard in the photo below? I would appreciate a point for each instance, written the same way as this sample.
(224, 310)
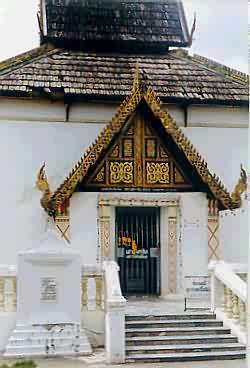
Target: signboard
(48, 290)
(197, 286)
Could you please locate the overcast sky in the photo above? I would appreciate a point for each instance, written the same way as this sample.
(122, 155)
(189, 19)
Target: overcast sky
(221, 32)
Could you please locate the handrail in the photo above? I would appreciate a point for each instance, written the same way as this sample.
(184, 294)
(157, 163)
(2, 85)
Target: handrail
(226, 275)
(115, 305)
(112, 283)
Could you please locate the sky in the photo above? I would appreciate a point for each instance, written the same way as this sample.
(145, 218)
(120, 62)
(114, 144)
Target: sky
(221, 30)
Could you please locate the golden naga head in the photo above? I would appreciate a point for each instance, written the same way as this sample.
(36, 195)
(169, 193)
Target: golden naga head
(42, 183)
(240, 187)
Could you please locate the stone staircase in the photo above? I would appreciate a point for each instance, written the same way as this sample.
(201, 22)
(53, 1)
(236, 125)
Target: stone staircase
(178, 338)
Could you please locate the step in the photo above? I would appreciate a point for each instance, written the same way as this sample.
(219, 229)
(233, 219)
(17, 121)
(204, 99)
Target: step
(176, 331)
(162, 349)
(170, 323)
(185, 357)
(16, 342)
(183, 339)
(144, 317)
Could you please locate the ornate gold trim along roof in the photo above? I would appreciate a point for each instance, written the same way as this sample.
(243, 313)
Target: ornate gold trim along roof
(139, 92)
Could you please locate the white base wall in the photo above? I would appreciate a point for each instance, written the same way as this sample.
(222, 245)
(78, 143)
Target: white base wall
(7, 325)
(91, 321)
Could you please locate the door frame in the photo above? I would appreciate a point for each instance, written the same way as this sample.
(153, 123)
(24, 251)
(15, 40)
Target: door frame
(170, 239)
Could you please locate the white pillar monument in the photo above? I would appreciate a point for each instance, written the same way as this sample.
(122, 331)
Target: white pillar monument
(48, 301)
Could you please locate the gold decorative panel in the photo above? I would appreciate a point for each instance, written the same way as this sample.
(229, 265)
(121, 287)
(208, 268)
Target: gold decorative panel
(115, 152)
(138, 159)
(121, 172)
(128, 148)
(178, 178)
(157, 172)
(163, 153)
(151, 148)
(100, 177)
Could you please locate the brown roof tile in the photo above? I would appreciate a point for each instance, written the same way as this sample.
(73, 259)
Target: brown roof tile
(92, 75)
(110, 23)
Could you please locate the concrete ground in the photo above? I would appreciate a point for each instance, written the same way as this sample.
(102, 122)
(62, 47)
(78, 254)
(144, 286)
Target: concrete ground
(97, 360)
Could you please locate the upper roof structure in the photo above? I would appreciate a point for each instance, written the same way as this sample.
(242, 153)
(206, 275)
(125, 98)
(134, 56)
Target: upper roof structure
(175, 154)
(176, 77)
(144, 25)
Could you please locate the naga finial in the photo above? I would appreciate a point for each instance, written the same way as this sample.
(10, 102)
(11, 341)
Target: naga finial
(240, 187)
(42, 184)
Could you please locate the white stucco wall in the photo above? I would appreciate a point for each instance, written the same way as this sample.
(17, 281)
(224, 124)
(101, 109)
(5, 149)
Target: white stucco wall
(83, 225)
(234, 235)
(194, 212)
(224, 149)
(101, 112)
(23, 149)
(33, 132)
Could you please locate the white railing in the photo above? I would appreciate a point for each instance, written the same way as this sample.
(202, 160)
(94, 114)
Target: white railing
(92, 288)
(229, 297)
(115, 305)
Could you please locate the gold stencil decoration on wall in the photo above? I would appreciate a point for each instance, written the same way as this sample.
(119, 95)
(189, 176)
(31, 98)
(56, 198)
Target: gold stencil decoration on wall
(151, 148)
(158, 172)
(128, 147)
(115, 152)
(100, 177)
(178, 178)
(121, 172)
(163, 153)
(130, 131)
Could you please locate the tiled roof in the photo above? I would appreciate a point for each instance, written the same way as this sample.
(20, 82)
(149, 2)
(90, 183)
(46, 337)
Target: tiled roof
(76, 74)
(105, 24)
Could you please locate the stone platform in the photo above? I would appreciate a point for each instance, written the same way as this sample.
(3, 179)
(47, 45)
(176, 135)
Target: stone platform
(168, 305)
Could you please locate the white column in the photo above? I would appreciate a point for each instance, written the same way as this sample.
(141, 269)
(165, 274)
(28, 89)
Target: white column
(115, 305)
(248, 304)
(115, 332)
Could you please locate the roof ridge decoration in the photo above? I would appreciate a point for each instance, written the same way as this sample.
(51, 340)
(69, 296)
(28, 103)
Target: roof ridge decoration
(128, 106)
(233, 74)
(220, 68)
(27, 56)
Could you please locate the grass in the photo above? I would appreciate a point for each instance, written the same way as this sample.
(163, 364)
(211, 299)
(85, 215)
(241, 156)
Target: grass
(20, 364)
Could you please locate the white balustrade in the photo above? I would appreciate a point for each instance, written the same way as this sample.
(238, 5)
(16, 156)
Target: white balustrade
(92, 286)
(229, 297)
(115, 305)
(92, 289)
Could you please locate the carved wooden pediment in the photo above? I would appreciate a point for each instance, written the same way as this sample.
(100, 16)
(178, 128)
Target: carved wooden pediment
(138, 158)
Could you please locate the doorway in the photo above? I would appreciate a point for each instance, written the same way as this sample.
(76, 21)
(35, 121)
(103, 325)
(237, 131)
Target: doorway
(138, 249)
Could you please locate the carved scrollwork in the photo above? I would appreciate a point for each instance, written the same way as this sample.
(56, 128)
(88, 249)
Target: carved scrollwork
(121, 172)
(158, 172)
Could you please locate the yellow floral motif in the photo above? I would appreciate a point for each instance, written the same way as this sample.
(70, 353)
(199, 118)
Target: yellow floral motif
(121, 172)
(157, 172)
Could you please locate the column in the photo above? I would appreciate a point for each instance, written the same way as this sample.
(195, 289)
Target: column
(2, 294)
(105, 224)
(172, 250)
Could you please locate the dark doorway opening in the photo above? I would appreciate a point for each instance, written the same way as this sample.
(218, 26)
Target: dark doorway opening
(138, 249)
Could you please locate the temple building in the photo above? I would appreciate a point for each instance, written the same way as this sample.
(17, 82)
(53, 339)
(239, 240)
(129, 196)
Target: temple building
(138, 149)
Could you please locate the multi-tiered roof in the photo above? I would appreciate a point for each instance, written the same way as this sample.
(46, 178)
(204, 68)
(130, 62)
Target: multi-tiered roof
(89, 49)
